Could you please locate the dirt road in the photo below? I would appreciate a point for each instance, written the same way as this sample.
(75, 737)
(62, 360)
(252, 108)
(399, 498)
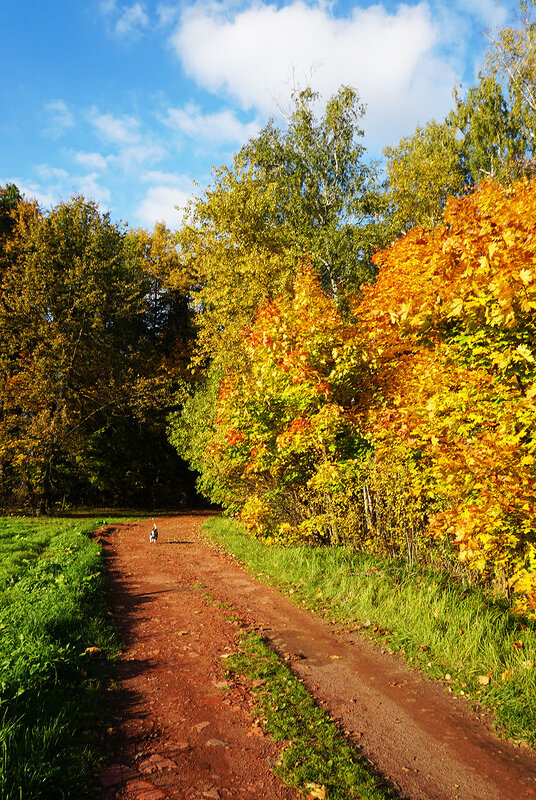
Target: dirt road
(180, 730)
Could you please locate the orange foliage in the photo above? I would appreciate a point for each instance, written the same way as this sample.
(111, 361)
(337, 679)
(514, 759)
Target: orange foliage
(451, 331)
(433, 382)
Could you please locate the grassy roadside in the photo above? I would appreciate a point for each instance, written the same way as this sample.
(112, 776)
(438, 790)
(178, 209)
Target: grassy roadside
(52, 608)
(315, 756)
(455, 634)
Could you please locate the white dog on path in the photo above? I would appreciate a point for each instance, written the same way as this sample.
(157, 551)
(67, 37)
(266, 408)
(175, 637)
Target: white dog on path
(153, 536)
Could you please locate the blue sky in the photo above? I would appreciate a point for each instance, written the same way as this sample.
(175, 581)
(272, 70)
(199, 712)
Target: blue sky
(129, 102)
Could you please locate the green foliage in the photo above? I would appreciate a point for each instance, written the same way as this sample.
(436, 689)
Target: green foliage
(511, 60)
(491, 142)
(191, 429)
(323, 185)
(91, 345)
(422, 171)
(63, 320)
(296, 193)
(489, 133)
(52, 608)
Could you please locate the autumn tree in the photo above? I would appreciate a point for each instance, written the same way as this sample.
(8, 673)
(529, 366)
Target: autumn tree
(294, 195)
(488, 133)
(276, 441)
(451, 329)
(10, 197)
(77, 352)
(10, 200)
(300, 192)
(422, 171)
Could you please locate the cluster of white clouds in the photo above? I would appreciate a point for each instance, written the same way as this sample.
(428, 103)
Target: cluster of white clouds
(250, 55)
(221, 127)
(404, 61)
(125, 150)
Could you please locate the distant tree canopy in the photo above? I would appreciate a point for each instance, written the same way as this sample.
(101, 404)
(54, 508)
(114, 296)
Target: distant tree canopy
(90, 348)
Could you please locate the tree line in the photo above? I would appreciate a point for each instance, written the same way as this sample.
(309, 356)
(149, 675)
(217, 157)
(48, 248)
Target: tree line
(91, 347)
(387, 400)
(341, 350)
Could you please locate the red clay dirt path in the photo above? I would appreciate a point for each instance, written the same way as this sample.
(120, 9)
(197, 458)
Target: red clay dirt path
(181, 730)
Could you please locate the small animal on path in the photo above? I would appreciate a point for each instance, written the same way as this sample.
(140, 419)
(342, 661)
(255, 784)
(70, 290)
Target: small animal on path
(153, 536)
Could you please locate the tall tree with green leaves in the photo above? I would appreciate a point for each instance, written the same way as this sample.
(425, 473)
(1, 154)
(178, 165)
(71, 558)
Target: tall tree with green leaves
(300, 194)
(511, 60)
(66, 314)
(491, 140)
(87, 341)
(490, 132)
(297, 193)
(422, 171)
(324, 185)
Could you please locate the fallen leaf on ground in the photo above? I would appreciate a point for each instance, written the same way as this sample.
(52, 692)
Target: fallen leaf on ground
(483, 680)
(315, 791)
(92, 652)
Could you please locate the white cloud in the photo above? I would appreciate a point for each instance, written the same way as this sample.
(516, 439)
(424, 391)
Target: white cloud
(132, 21)
(122, 131)
(167, 178)
(107, 7)
(60, 118)
(392, 58)
(488, 12)
(92, 161)
(142, 152)
(159, 205)
(46, 172)
(46, 197)
(132, 148)
(167, 14)
(89, 187)
(56, 184)
(221, 126)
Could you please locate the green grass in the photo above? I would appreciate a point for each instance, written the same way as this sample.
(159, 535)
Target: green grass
(459, 635)
(315, 755)
(52, 607)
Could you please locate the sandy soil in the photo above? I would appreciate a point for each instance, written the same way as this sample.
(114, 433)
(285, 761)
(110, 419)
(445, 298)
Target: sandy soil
(180, 729)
